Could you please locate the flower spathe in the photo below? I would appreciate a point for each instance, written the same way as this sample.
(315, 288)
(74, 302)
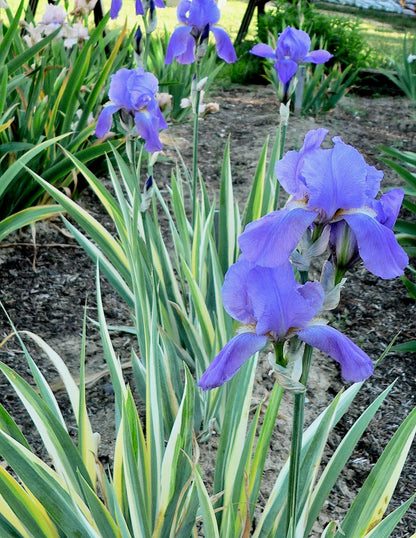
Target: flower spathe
(292, 49)
(196, 19)
(133, 91)
(273, 307)
(328, 186)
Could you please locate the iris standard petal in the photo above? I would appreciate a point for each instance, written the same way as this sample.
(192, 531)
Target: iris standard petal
(286, 69)
(318, 56)
(223, 44)
(148, 129)
(278, 305)
(269, 241)
(264, 51)
(181, 45)
(234, 292)
(118, 91)
(355, 364)
(288, 169)
(388, 207)
(294, 44)
(115, 8)
(105, 119)
(230, 359)
(314, 294)
(182, 11)
(141, 84)
(378, 247)
(203, 12)
(336, 179)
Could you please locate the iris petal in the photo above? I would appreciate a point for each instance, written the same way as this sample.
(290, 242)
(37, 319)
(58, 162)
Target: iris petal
(139, 8)
(388, 207)
(225, 49)
(286, 69)
(118, 92)
(269, 241)
(234, 292)
(336, 179)
(318, 56)
(181, 45)
(288, 169)
(378, 246)
(230, 359)
(278, 305)
(105, 119)
(148, 129)
(355, 364)
(264, 51)
(115, 8)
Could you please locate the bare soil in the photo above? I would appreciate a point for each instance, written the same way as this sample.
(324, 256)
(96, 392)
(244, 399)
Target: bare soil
(46, 281)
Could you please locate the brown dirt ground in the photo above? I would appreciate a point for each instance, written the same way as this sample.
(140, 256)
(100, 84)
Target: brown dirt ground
(46, 280)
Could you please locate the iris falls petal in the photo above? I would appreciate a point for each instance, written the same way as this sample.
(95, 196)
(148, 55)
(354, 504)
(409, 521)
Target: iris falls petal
(230, 359)
(355, 364)
(378, 247)
(270, 240)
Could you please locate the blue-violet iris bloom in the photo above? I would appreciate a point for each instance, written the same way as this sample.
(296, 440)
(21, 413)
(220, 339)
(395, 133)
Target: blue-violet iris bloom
(292, 48)
(141, 6)
(328, 186)
(133, 92)
(273, 307)
(196, 19)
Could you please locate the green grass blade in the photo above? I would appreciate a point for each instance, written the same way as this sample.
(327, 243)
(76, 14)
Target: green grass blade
(26, 217)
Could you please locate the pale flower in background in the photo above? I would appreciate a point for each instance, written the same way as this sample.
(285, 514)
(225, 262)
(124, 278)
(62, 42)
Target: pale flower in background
(34, 34)
(74, 34)
(164, 100)
(411, 58)
(84, 7)
(54, 15)
(3, 5)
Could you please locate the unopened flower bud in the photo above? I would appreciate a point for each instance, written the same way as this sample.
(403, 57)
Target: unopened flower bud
(284, 113)
(201, 84)
(152, 20)
(164, 100)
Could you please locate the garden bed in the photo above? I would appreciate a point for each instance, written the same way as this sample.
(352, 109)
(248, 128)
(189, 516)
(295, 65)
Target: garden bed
(46, 279)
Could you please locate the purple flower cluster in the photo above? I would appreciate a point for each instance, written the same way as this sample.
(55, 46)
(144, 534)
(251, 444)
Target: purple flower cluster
(132, 92)
(292, 49)
(197, 18)
(333, 202)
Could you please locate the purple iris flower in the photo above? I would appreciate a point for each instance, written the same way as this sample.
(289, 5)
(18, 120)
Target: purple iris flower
(141, 6)
(291, 50)
(273, 307)
(196, 19)
(328, 186)
(132, 91)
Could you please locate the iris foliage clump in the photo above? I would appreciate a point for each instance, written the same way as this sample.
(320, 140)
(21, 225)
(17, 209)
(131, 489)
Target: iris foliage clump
(194, 367)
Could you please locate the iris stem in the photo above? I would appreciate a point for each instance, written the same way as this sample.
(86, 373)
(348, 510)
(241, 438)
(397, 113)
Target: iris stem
(277, 153)
(296, 445)
(195, 145)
